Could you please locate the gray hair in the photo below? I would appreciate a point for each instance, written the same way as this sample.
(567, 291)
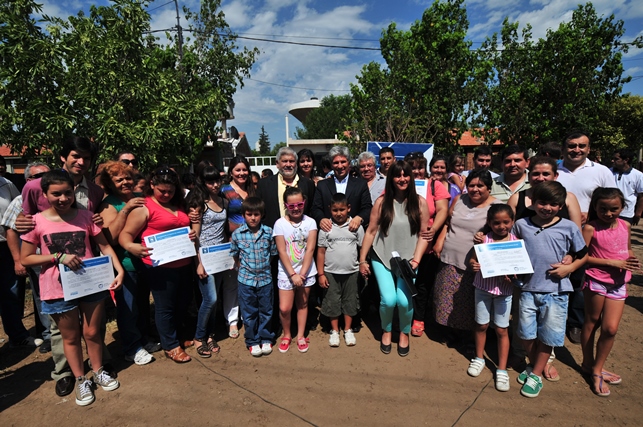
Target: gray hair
(286, 151)
(33, 165)
(366, 156)
(339, 150)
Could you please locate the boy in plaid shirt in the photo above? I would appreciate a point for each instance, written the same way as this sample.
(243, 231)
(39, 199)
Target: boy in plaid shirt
(252, 247)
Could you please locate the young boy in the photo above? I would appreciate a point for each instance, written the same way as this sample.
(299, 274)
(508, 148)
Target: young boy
(544, 298)
(252, 245)
(337, 268)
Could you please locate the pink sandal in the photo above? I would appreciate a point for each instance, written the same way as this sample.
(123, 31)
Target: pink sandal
(284, 345)
(417, 329)
(302, 345)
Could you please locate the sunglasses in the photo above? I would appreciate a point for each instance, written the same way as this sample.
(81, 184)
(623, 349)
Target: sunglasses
(573, 146)
(291, 206)
(130, 162)
(37, 175)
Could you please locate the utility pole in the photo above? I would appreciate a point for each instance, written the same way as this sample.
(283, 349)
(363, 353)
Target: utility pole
(179, 30)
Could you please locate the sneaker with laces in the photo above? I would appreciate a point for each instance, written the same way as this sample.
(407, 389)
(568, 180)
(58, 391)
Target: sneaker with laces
(349, 338)
(533, 385)
(475, 367)
(84, 392)
(141, 357)
(105, 380)
(266, 348)
(255, 350)
(152, 347)
(522, 377)
(333, 340)
(502, 380)
(27, 342)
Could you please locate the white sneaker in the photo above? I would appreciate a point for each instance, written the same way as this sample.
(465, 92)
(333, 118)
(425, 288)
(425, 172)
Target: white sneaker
(475, 367)
(502, 381)
(152, 347)
(255, 350)
(27, 342)
(333, 341)
(142, 357)
(266, 348)
(349, 338)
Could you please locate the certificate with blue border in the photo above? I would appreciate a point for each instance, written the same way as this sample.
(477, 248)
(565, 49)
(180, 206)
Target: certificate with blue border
(503, 258)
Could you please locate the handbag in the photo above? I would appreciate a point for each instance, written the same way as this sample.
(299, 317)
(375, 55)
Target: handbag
(402, 269)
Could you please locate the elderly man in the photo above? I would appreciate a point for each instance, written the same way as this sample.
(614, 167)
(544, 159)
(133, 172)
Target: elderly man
(368, 172)
(630, 182)
(271, 189)
(355, 189)
(580, 176)
(515, 160)
(32, 171)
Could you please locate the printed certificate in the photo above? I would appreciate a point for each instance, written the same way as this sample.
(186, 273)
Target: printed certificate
(216, 258)
(170, 246)
(421, 187)
(94, 276)
(503, 258)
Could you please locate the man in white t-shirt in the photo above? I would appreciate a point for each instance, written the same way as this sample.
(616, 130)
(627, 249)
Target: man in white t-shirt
(630, 182)
(580, 176)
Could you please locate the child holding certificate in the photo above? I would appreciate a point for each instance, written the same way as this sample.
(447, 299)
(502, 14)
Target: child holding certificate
(62, 233)
(544, 298)
(493, 294)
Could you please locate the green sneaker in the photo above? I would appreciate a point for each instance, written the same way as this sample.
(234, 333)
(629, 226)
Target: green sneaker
(532, 386)
(522, 377)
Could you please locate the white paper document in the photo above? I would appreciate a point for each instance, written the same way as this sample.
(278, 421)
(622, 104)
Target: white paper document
(170, 246)
(94, 276)
(421, 187)
(216, 258)
(503, 258)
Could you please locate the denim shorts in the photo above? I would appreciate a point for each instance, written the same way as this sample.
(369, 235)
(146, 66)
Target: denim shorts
(543, 316)
(501, 305)
(58, 306)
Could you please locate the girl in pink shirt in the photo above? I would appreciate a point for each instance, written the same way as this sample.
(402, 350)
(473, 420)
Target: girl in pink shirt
(610, 265)
(62, 233)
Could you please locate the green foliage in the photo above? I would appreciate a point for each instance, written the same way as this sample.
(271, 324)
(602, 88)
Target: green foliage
(264, 143)
(331, 118)
(542, 89)
(102, 75)
(423, 93)
(621, 125)
(276, 148)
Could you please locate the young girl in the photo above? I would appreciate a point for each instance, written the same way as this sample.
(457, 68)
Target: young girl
(296, 238)
(62, 233)
(211, 229)
(610, 265)
(493, 292)
(456, 167)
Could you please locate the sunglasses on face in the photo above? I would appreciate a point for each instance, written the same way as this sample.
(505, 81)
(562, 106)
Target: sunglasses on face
(130, 162)
(574, 146)
(291, 206)
(37, 175)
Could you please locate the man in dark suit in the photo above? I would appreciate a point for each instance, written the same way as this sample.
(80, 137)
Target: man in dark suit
(355, 189)
(271, 189)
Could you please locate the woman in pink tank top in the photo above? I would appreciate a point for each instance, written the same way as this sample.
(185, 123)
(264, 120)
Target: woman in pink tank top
(170, 283)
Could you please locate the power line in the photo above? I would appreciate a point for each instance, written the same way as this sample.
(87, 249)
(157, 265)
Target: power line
(297, 87)
(312, 37)
(158, 7)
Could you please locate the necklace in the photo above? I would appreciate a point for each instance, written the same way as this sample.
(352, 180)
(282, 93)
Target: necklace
(295, 225)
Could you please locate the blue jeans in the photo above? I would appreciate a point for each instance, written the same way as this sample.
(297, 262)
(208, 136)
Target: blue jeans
(391, 296)
(207, 311)
(171, 290)
(11, 307)
(127, 314)
(256, 311)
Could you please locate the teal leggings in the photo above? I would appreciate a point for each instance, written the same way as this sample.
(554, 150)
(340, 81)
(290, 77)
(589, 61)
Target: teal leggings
(390, 296)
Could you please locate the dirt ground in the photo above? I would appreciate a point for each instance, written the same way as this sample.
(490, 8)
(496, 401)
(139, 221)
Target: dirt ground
(330, 386)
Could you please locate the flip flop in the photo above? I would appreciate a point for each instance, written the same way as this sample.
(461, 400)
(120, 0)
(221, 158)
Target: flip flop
(547, 373)
(234, 333)
(597, 391)
(614, 380)
(417, 329)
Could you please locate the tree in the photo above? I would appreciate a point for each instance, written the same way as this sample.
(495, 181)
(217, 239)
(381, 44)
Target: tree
(333, 117)
(541, 89)
(104, 76)
(264, 143)
(276, 148)
(425, 91)
(621, 125)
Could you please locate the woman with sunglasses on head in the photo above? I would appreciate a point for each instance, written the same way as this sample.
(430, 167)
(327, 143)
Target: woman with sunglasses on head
(117, 179)
(239, 188)
(164, 210)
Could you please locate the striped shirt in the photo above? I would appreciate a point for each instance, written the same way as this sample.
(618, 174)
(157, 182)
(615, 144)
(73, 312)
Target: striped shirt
(254, 252)
(494, 285)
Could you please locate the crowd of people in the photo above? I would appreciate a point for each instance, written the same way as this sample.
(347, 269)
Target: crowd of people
(298, 238)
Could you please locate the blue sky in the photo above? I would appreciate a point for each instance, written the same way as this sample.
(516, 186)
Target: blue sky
(324, 71)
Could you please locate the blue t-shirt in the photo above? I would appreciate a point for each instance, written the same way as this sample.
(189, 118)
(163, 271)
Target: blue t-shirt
(547, 246)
